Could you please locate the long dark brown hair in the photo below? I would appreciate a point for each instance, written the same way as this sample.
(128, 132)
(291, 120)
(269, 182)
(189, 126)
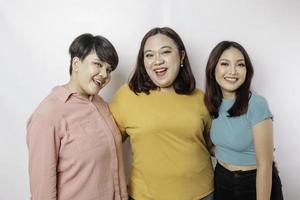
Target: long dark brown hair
(140, 80)
(213, 94)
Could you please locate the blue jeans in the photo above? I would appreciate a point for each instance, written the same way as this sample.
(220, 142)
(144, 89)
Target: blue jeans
(237, 185)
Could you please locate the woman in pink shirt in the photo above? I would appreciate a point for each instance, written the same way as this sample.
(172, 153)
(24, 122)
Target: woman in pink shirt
(75, 149)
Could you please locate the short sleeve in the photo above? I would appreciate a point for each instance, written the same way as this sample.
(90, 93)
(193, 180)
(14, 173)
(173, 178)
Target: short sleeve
(258, 110)
(117, 109)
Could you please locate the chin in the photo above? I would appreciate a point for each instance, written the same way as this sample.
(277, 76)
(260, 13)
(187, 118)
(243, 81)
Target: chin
(163, 83)
(93, 92)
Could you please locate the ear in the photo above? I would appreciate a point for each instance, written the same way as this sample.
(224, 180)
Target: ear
(75, 64)
(182, 56)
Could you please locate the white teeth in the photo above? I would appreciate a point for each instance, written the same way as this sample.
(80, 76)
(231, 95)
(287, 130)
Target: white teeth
(98, 82)
(160, 70)
(231, 79)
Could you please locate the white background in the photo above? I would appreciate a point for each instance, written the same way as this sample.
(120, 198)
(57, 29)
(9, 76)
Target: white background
(35, 36)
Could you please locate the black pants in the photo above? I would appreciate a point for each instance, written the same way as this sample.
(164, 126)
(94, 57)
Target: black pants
(241, 185)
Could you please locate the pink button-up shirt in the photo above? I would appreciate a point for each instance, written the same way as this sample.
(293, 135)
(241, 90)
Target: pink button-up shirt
(75, 149)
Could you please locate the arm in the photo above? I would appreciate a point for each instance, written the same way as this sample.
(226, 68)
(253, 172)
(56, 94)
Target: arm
(209, 145)
(116, 108)
(43, 146)
(263, 144)
(206, 134)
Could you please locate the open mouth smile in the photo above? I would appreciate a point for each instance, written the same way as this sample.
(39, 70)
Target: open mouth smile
(160, 71)
(231, 79)
(98, 82)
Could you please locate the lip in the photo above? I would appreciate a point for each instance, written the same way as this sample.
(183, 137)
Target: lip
(98, 82)
(231, 79)
(161, 71)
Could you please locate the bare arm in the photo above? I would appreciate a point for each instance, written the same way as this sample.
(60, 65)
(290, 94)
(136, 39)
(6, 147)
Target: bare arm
(263, 144)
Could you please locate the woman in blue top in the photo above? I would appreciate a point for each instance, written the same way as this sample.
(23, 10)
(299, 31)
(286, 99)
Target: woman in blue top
(241, 132)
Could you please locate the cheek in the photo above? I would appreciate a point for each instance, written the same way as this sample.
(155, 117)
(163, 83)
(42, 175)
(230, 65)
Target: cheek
(108, 79)
(244, 74)
(147, 64)
(219, 76)
(174, 59)
(218, 73)
(82, 76)
(219, 80)
(148, 70)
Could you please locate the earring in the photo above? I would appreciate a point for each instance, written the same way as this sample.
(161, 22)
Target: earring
(181, 64)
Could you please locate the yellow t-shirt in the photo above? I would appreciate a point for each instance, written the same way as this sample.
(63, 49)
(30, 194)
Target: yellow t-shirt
(169, 156)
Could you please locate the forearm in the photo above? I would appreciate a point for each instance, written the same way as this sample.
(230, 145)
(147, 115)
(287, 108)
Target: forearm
(264, 181)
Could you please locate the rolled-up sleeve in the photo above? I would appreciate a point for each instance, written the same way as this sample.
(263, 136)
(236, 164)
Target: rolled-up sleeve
(43, 145)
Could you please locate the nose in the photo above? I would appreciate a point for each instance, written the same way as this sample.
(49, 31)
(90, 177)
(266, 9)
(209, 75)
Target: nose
(232, 69)
(158, 59)
(103, 72)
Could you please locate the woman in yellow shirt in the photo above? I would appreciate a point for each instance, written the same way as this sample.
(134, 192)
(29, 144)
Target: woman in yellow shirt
(167, 123)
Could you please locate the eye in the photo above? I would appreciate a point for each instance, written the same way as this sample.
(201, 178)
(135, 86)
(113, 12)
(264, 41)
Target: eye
(166, 52)
(241, 65)
(224, 64)
(149, 55)
(97, 64)
(109, 70)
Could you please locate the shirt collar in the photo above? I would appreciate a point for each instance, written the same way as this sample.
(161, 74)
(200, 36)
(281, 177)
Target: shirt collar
(64, 94)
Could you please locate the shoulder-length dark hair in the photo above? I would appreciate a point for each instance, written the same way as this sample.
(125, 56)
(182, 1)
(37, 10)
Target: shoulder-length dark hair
(213, 94)
(141, 82)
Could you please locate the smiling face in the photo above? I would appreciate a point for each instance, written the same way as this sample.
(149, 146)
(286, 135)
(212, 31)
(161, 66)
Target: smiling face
(89, 75)
(230, 72)
(162, 61)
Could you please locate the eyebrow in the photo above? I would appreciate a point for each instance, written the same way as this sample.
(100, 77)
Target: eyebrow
(96, 58)
(166, 47)
(169, 47)
(147, 51)
(224, 59)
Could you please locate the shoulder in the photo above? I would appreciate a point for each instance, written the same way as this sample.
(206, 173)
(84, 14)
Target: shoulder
(46, 110)
(124, 90)
(198, 91)
(100, 100)
(122, 97)
(48, 106)
(198, 94)
(258, 109)
(257, 101)
(197, 98)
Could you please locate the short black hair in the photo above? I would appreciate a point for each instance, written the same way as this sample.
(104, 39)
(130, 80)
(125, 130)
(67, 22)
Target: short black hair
(213, 94)
(140, 80)
(84, 44)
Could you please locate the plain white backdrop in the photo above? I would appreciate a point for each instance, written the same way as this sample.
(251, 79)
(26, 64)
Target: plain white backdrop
(35, 36)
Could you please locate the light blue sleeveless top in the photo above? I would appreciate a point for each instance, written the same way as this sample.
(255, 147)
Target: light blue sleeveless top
(232, 136)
